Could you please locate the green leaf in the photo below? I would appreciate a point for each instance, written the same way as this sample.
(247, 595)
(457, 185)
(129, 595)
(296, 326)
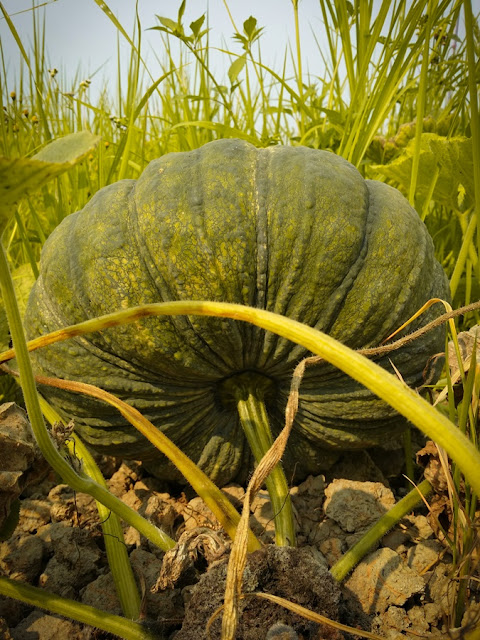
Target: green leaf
(181, 11)
(249, 26)
(452, 158)
(19, 175)
(197, 25)
(69, 149)
(170, 24)
(236, 67)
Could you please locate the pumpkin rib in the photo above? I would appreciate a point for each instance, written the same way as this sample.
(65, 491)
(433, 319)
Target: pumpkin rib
(186, 328)
(313, 299)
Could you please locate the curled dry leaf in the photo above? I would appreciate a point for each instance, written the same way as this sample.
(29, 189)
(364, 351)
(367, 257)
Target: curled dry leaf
(466, 342)
(429, 459)
(180, 560)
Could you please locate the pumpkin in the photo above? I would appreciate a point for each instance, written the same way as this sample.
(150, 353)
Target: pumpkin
(292, 230)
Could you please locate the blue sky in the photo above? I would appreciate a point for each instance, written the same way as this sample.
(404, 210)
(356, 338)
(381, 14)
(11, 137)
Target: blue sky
(80, 37)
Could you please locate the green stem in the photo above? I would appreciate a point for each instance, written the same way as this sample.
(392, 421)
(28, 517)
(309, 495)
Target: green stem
(249, 391)
(37, 597)
(115, 547)
(353, 556)
(50, 453)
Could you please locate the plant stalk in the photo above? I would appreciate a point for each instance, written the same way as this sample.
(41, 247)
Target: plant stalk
(78, 611)
(249, 391)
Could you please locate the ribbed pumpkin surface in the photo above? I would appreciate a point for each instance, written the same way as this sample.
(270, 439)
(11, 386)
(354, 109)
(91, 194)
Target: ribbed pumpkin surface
(291, 230)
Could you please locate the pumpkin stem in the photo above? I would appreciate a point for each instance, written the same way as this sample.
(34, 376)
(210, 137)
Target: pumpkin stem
(248, 390)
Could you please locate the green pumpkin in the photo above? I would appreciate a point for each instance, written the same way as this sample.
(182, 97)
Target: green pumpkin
(288, 229)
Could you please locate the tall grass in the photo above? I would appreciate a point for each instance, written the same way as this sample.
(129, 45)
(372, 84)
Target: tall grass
(392, 74)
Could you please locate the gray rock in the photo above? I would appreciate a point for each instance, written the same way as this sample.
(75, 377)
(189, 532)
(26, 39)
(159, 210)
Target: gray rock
(45, 627)
(424, 555)
(21, 557)
(357, 505)
(382, 579)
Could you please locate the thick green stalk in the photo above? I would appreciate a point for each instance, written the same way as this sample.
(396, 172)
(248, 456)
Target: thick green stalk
(117, 554)
(115, 547)
(84, 613)
(249, 391)
(353, 556)
(53, 457)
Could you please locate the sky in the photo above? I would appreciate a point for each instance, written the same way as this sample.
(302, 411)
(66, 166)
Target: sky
(79, 36)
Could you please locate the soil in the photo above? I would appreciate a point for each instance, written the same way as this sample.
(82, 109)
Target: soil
(403, 588)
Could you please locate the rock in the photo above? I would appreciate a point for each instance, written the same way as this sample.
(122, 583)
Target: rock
(287, 572)
(33, 515)
(442, 592)
(123, 479)
(307, 501)
(160, 512)
(13, 611)
(396, 540)
(313, 486)
(424, 555)
(262, 521)
(197, 514)
(75, 562)
(4, 631)
(45, 627)
(328, 538)
(164, 606)
(419, 619)
(357, 505)
(419, 527)
(101, 593)
(132, 537)
(21, 557)
(280, 631)
(21, 461)
(235, 493)
(132, 500)
(382, 579)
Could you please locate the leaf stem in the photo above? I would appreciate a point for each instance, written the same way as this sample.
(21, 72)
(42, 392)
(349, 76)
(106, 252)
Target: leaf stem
(249, 392)
(104, 620)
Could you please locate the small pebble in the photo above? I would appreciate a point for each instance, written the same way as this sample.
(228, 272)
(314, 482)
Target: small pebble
(280, 631)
